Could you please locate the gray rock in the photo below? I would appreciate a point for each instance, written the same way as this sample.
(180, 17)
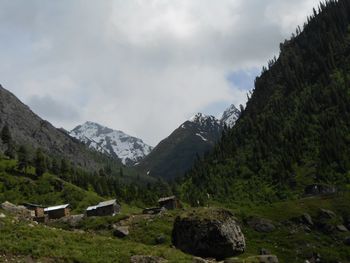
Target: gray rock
(121, 231)
(342, 228)
(72, 220)
(147, 259)
(212, 233)
(264, 251)
(327, 228)
(161, 239)
(19, 211)
(324, 213)
(261, 225)
(307, 219)
(267, 259)
(319, 189)
(347, 241)
(202, 260)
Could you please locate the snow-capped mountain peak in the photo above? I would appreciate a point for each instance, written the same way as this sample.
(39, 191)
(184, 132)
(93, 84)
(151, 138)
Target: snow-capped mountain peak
(230, 116)
(203, 119)
(128, 149)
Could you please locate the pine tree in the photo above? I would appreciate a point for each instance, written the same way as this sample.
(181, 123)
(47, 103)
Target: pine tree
(40, 163)
(23, 158)
(6, 135)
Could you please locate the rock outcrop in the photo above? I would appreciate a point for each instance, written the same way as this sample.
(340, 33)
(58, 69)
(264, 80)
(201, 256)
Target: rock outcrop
(121, 231)
(261, 225)
(208, 233)
(19, 211)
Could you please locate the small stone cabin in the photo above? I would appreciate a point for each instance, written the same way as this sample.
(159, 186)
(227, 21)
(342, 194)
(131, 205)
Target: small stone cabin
(59, 211)
(106, 208)
(169, 203)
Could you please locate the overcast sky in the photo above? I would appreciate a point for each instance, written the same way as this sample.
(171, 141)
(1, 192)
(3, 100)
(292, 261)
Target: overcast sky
(141, 66)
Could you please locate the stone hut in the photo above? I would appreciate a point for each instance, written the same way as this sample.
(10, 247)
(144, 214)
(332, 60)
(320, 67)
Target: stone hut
(37, 210)
(169, 203)
(56, 212)
(106, 208)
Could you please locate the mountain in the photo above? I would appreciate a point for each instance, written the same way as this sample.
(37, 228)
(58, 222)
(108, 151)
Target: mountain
(173, 156)
(29, 129)
(295, 129)
(230, 116)
(128, 149)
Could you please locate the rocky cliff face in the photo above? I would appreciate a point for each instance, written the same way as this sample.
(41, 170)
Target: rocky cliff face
(27, 128)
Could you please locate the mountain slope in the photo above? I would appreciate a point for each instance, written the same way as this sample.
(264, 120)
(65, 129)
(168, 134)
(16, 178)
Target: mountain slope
(295, 128)
(128, 149)
(29, 129)
(173, 156)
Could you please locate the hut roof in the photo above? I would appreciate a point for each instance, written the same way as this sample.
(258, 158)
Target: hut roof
(101, 204)
(33, 205)
(107, 203)
(57, 207)
(166, 198)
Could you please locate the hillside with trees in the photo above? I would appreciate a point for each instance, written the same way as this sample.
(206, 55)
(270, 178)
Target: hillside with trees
(295, 129)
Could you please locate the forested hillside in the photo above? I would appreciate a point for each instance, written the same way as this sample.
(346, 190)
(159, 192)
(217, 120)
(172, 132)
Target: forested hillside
(295, 130)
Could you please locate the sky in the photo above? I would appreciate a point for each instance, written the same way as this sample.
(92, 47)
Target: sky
(140, 66)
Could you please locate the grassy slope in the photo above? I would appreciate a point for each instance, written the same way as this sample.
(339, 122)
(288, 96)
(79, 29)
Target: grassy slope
(46, 190)
(97, 244)
(64, 246)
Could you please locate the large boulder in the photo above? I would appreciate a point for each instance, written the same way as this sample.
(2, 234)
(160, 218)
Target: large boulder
(209, 233)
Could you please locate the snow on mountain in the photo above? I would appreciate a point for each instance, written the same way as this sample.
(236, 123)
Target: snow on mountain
(128, 149)
(230, 116)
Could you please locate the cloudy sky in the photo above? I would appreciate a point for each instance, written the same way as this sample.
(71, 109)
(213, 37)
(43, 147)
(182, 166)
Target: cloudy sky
(141, 66)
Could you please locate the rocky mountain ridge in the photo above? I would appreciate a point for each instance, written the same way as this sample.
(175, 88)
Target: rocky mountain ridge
(128, 149)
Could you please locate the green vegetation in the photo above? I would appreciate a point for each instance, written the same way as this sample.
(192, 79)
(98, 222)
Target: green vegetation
(64, 246)
(295, 128)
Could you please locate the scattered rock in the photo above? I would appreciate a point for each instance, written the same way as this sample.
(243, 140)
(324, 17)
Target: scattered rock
(147, 259)
(202, 260)
(208, 233)
(264, 251)
(261, 225)
(342, 228)
(327, 228)
(72, 220)
(121, 231)
(319, 189)
(153, 210)
(315, 257)
(307, 219)
(347, 223)
(2, 215)
(161, 239)
(324, 213)
(20, 211)
(347, 241)
(255, 259)
(307, 229)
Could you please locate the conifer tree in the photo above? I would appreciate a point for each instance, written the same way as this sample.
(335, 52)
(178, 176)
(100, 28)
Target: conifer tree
(40, 163)
(23, 158)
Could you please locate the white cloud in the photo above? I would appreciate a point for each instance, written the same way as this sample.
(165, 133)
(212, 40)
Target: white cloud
(139, 66)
